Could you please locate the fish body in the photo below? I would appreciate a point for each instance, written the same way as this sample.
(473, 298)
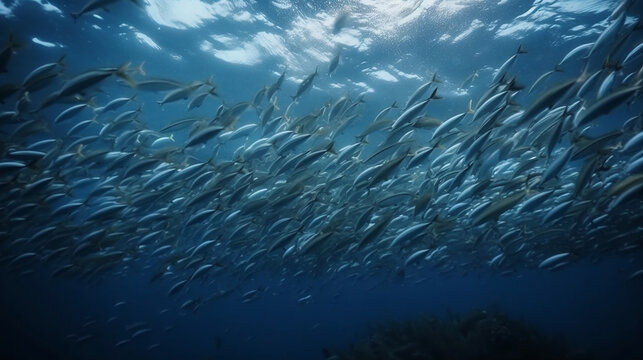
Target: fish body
(305, 85)
(94, 5)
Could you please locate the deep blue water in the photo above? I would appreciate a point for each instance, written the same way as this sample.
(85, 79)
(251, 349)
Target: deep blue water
(388, 49)
(590, 303)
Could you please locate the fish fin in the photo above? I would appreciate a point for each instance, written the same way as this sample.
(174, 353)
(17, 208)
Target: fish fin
(434, 95)
(79, 150)
(91, 103)
(122, 73)
(514, 85)
(61, 61)
(209, 80)
(139, 69)
(361, 139)
(469, 109)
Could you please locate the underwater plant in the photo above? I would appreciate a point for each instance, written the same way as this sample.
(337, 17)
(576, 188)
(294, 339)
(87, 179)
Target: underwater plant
(479, 335)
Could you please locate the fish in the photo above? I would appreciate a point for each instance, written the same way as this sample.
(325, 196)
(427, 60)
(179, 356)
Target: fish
(83, 81)
(491, 104)
(606, 104)
(607, 35)
(70, 112)
(42, 75)
(204, 135)
(177, 287)
(415, 256)
(544, 76)
(556, 166)
(413, 111)
(553, 260)
(272, 89)
(547, 99)
(409, 233)
(184, 92)
(577, 50)
(198, 272)
(606, 85)
(496, 208)
(450, 123)
(93, 5)
(115, 104)
(418, 94)
(373, 231)
(633, 54)
(467, 82)
(555, 213)
(633, 144)
(334, 62)
(305, 85)
(502, 70)
(197, 101)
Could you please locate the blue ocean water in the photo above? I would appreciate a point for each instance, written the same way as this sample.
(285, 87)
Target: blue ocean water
(295, 306)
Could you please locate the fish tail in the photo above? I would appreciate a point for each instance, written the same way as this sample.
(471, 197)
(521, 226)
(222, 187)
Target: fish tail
(75, 16)
(521, 50)
(209, 80)
(79, 151)
(122, 71)
(331, 148)
(91, 103)
(434, 95)
(61, 61)
(139, 69)
(361, 139)
(273, 101)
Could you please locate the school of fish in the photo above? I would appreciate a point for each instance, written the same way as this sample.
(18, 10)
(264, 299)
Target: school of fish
(91, 185)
